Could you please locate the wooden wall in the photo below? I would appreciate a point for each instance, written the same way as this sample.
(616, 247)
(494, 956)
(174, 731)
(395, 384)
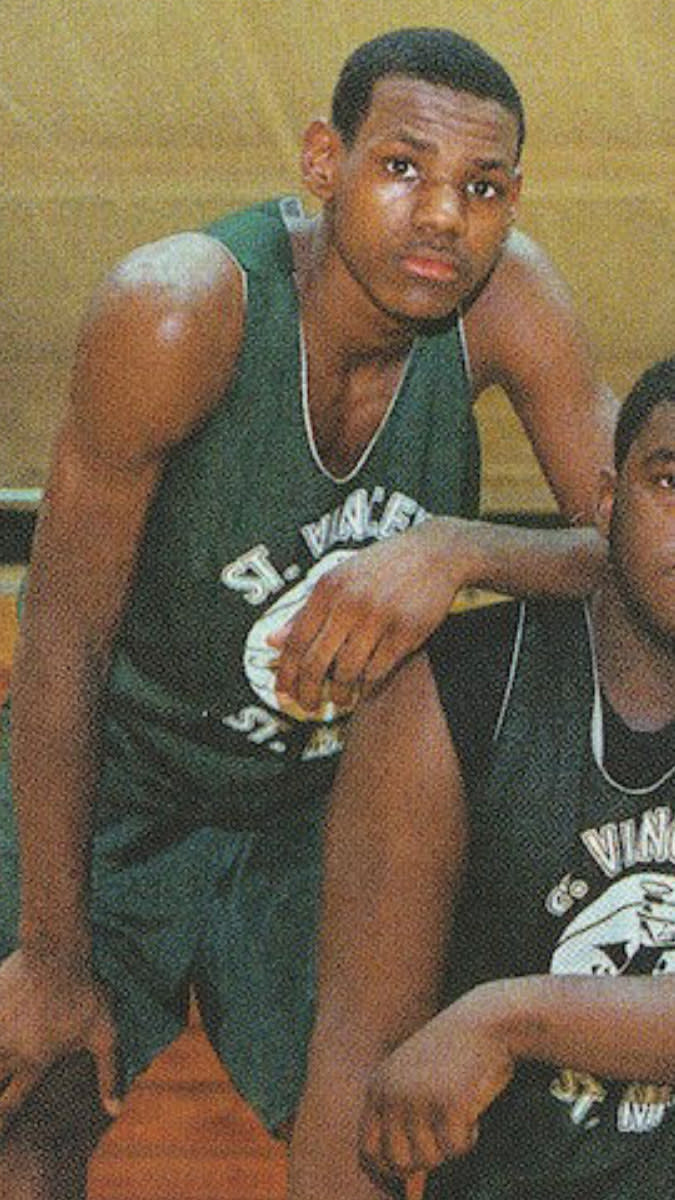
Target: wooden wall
(125, 121)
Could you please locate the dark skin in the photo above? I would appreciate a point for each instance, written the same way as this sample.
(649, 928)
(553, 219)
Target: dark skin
(415, 214)
(418, 214)
(388, 899)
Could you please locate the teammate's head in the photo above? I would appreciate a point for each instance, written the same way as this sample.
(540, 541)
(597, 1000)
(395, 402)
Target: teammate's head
(656, 386)
(435, 55)
(637, 508)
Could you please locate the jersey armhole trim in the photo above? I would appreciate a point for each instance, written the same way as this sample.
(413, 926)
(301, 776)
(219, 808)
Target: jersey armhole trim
(513, 666)
(244, 277)
(464, 345)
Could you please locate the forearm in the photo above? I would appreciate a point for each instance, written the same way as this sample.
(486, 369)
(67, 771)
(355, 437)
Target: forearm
(517, 560)
(622, 1028)
(54, 771)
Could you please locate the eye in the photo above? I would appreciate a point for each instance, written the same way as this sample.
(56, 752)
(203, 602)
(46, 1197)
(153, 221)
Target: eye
(665, 480)
(484, 189)
(402, 168)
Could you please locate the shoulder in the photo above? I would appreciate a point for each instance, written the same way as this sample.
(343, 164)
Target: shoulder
(525, 300)
(171, 290)
(525, 272)
(159, 342)
(183, 266)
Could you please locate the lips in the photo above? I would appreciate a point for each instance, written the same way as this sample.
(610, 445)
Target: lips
(429, 265)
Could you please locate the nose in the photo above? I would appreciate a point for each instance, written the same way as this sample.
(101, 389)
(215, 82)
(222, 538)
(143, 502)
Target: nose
(440, 208)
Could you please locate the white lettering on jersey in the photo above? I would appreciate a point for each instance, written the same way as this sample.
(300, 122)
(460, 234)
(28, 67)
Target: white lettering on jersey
(253, 575)
(617, 846)
(357, 521)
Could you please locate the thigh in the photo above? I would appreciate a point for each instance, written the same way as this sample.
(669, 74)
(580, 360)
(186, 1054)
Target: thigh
(255, 978)
(151, 890)
(150, 885)
(149, 894)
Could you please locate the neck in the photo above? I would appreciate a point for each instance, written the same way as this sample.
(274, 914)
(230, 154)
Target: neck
(332, 300)
(636, 665)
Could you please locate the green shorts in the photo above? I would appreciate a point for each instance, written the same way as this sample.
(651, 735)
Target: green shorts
(229, 917)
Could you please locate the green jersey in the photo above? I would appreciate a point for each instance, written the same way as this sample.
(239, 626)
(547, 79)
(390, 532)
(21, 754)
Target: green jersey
(245, 521)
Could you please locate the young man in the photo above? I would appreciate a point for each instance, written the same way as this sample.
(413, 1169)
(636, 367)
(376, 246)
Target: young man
(249, 408)
(526, 799)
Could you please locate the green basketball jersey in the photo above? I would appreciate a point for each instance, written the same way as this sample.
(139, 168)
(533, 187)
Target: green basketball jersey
(245, 520)
(570, 872)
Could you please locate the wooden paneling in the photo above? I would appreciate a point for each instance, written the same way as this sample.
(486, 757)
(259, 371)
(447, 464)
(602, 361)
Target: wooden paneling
(8, 626)
(184, 1134)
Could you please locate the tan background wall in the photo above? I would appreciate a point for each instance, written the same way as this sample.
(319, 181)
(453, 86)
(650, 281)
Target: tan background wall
(123, 121)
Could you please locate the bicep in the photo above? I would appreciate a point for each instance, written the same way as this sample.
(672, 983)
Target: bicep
(156, 351)
(394, 852)
(525, 335)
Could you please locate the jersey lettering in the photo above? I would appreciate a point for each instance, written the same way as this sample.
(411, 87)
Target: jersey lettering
(618, 846)
(253, 575)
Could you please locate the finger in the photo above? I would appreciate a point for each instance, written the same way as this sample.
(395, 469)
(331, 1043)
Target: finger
(415, 1185)
(344, 698)
(16, 1091)
(302, 669)
(278, 636)
(299, 635)
(393, 647)
(429, 1148)
(397, 1148)
(414, 1145)
(370, 1139)
(385, 1143)
(352, 661)
(460, 1136)
(103, 1048)
(314, 665)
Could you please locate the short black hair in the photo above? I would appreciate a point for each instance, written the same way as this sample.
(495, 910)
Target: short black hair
(436, 55)
(656, 386)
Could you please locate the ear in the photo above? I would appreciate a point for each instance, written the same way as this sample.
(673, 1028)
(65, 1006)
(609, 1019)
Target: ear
(605, 501)
(321, 152)
(514, 194)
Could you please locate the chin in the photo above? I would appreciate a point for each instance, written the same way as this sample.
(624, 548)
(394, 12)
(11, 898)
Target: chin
(425, 311)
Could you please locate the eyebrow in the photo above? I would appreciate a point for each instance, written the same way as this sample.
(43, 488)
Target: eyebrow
(493, 164)
(419, 144)
(663, 454)
(410, 139)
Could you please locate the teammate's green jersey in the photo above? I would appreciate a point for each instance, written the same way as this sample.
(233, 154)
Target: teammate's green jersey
(570, 872)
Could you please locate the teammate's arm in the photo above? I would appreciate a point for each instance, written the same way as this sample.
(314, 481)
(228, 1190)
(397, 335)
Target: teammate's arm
(425, 1102)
